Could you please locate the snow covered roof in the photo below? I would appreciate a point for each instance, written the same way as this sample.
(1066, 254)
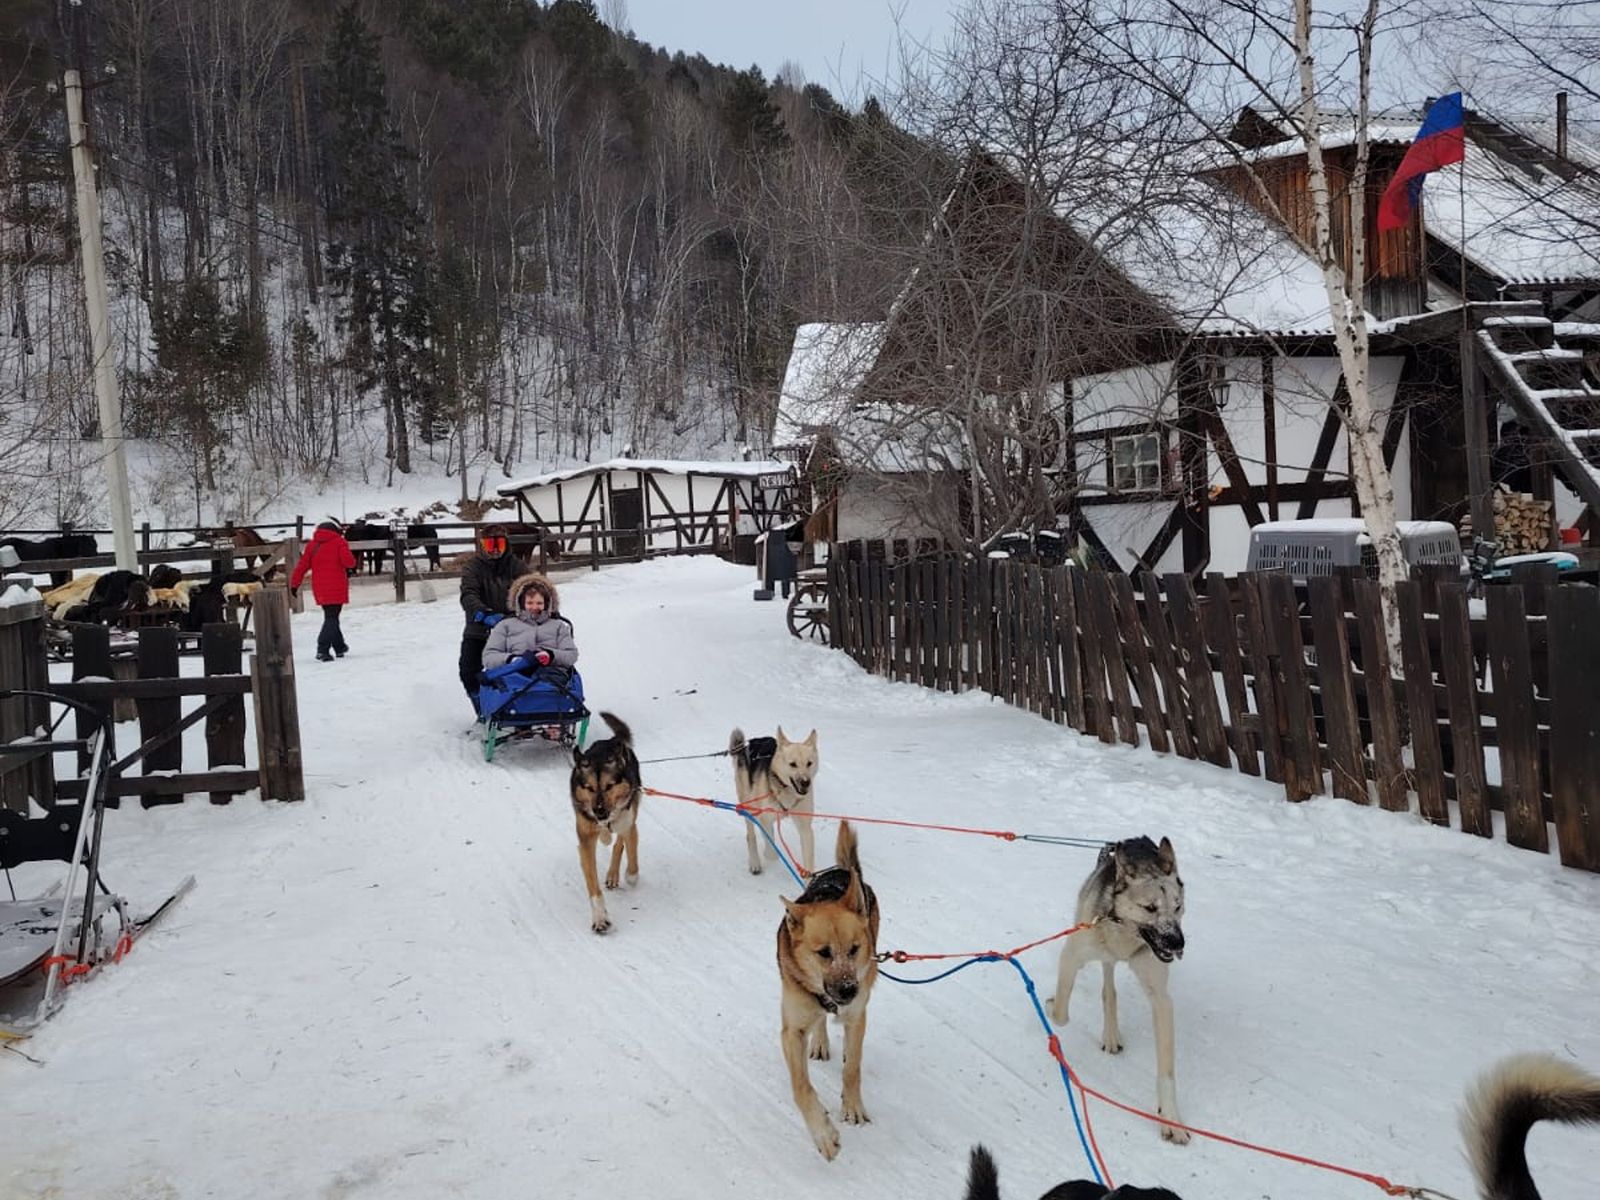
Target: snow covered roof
(826, 369)
(659, 466)
(1522, 224)
(821, 394)
(1338, 134)
(1219, 265)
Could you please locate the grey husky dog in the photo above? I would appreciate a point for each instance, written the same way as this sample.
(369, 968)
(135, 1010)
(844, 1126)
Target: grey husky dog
(1133, 904)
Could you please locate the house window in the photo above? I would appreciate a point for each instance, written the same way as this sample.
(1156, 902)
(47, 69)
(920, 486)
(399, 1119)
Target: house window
(1136, 463)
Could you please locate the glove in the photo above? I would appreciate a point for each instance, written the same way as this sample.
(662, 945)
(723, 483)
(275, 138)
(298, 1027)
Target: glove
(542, 657)
(487, 619)
(294, 593)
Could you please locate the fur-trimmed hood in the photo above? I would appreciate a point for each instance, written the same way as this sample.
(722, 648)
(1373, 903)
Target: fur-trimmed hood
(552, 599)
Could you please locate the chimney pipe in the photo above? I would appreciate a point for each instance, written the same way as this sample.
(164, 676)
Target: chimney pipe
(1561, 124)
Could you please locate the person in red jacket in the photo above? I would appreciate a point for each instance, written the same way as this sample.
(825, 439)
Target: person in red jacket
(331, 563)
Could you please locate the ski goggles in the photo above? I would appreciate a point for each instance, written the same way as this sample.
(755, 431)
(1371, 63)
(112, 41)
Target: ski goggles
(494, 544)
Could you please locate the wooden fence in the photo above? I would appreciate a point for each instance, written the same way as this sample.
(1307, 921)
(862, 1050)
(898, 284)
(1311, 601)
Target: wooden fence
(1498, 712)
(138, 680)
(583, 543)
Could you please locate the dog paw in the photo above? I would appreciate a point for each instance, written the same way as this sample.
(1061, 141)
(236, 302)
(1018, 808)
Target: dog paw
(1178, 1137)
(820, 1050)
(1058, 1011)
(612, 882)
(598, 920)
(633, 878)
(826, 1135)
(854, 1112)
(1111, 1045)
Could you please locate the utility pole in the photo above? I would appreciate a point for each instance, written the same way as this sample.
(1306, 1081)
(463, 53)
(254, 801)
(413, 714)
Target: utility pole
(94, 295)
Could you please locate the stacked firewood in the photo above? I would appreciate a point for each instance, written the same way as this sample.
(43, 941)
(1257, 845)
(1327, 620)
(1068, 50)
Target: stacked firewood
(1522, 525)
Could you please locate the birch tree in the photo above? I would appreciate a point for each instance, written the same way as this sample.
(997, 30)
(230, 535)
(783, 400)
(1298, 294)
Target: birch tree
(1207, 60)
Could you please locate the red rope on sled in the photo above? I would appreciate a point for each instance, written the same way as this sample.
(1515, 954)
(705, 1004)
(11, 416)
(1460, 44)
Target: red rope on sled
(753, 808)
(901, 956)
(71, 968)
(1389, 1187)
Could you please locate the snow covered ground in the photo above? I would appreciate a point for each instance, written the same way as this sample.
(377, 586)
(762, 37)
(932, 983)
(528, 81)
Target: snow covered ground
(391, 990)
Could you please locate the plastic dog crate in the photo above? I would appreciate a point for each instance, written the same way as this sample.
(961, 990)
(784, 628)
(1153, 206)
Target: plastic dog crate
(1307, 549)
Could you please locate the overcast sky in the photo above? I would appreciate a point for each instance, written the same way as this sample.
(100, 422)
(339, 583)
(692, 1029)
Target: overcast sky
(836, 42)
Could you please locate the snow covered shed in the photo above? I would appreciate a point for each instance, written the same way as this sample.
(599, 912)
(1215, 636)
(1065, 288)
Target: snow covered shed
(629, 506)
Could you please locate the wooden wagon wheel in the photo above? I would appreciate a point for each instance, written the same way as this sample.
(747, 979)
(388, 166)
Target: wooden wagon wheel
(808, 611)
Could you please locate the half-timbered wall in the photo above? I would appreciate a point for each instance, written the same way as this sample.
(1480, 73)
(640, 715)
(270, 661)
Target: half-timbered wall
(1274, 450)
(678, 510)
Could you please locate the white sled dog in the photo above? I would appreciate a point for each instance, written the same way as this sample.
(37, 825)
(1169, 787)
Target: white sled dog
(1133, 904)
(776, 773)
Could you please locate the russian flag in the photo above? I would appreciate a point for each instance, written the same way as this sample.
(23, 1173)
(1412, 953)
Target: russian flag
(1440, 142)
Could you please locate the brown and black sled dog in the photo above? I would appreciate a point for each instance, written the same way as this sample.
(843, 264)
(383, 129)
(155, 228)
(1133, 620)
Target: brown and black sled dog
(827, 958)
(605, 797)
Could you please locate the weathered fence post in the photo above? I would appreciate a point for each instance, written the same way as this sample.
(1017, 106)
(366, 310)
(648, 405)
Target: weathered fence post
(157, 657)
(277, 709)
(1575, 724)
(292, 551)
(397, 544)
(23, 665)
(222, 652)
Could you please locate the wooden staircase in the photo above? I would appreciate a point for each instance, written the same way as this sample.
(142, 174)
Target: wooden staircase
(1546, 381)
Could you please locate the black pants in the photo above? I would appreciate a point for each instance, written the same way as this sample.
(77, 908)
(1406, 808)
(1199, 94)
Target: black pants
(471, 664)
(331, 637)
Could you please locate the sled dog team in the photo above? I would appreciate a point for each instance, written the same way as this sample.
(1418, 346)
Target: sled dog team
(1131, 906)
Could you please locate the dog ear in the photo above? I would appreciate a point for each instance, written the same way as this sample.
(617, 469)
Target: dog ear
(1119, 859)
(782, 741)
(791, 914)
(854, 898)
(811, 739)
(1166, 857)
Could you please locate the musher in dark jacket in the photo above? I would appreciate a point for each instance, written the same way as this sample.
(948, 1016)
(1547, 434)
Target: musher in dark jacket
(485, 587)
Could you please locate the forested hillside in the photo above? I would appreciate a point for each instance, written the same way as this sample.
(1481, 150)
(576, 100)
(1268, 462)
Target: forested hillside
(489, 233)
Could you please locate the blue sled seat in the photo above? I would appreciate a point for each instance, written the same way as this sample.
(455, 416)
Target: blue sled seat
(513, 695)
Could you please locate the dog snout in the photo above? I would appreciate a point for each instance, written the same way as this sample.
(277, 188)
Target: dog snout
(802, 784)
(845, 990)
(1170, 941)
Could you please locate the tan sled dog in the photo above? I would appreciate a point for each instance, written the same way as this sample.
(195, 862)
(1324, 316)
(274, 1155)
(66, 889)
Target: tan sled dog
(776, 773)
(827, 943)
(1134, 899)
(605, 790)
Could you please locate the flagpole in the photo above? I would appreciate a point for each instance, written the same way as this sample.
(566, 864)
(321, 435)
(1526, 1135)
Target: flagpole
(1474, 403)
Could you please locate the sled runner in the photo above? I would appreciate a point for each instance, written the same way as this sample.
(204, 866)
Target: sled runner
(78, 923)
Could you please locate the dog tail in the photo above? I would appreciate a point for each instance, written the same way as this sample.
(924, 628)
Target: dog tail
(1506, 1103)
(983, 1181)
(845, 849)
(618, 730)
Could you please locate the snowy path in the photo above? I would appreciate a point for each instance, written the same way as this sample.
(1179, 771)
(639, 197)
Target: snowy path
(392, 990)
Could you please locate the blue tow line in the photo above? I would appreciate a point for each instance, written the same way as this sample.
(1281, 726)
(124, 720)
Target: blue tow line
(1038, 1008)
(1027, 981)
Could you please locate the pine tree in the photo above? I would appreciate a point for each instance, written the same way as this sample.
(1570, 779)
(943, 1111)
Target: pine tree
(208, 358)
(378, 260)
(753, 120)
